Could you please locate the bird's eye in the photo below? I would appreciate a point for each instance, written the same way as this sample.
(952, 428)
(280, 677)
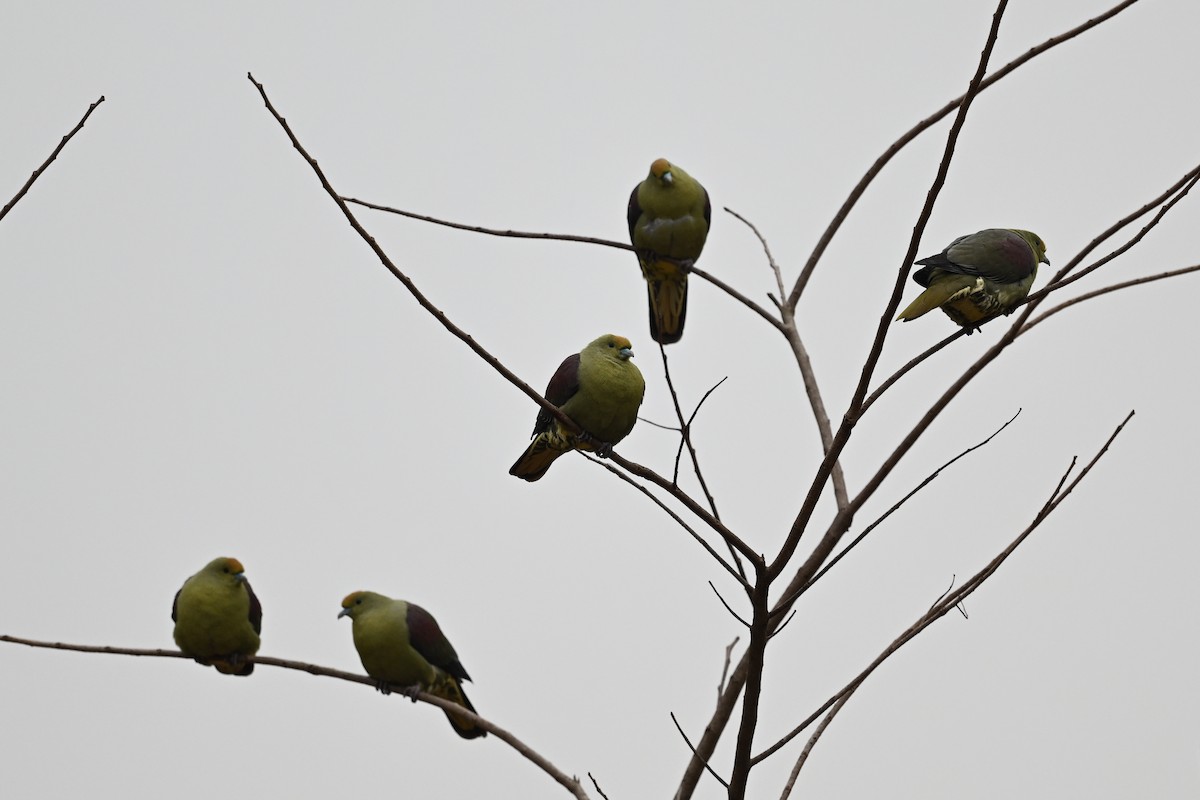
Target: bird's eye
(610, 344)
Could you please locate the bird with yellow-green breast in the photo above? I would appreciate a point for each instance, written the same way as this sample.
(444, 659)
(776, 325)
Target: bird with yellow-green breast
(218, 617)
(400, 644)
(601, 390)
(979, 276)
(669, 216)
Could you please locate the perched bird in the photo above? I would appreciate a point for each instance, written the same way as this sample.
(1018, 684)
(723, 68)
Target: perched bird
(400, 643)
(669, 216)
(218, 618)
(601, 390)
(979, 276)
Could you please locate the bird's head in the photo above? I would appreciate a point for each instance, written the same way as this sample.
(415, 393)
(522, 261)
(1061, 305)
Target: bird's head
(661, 171)
(356, 602)
(614, 346)
(227, 567)
(1036, 243)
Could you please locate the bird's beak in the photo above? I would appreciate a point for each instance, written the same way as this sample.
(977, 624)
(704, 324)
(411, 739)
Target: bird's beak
(240, 577)
(344, 612)
(625, 352)
(1045, 261)
(667, 178)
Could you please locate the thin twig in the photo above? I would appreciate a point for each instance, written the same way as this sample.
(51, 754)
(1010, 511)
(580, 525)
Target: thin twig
(1107, 289)
(732, 613)
(688, 742)
(678, 520)
(762, 240)
(791, 332)
(37, 173)
(571, 784)
(648, 474)
(725, 669)
(597, 785)
(928, 479)
(791, 781)
(685, 439)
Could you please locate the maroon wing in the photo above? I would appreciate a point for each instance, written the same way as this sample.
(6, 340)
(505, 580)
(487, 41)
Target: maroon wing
(427, 639)
(562, 387)
(255, 608)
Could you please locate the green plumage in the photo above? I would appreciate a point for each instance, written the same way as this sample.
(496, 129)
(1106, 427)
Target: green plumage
(400, 644)
(669, 215)
(979, 276)
(601, 390)
(218, 618)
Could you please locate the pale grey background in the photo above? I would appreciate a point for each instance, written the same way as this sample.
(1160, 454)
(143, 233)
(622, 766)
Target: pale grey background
(198, 357)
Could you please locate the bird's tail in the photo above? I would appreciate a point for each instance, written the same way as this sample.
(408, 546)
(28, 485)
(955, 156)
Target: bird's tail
(935, 296)
(540, 454)
(450, 688)
(666, 285)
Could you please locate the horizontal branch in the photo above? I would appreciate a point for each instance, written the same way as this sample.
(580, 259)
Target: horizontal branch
(562, 237)
(571, 784)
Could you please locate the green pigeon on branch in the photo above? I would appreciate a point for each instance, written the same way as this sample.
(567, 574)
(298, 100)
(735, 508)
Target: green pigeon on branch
(601, 390)
(979, 276)
(400, 644)
(669, 215)
(218, 618)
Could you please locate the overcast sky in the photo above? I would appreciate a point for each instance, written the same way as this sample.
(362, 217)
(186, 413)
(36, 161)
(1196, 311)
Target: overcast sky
(199, 357)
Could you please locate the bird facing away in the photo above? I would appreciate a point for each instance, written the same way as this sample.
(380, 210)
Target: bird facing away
(218, 618)
(601, 390)
(979, 276)
(400, 643)
(669, 216)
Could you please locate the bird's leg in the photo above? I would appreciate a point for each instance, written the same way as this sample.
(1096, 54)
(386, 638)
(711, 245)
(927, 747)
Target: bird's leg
(411, 692)
(601, 449)
(383, 687)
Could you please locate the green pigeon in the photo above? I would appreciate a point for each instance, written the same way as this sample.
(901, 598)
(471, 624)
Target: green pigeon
(218, 618)
(400, 644)
(669, 215)
(979, 276)
(601, 390)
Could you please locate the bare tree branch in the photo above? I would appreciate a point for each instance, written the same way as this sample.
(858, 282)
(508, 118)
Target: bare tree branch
(571, 784)
(732, 613)
(565, 237)
(725, 669)
(928, 480)
(791, 781)
(670, 488)
(858, 191)
(417, 294)
(688, 742)
(1106, 290)
(37, 173)
(791, 333)
(953, 599)
(737, 574)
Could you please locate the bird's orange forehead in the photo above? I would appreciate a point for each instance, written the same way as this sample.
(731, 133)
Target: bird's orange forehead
(351, 599)
(659, 167)
(622, 343)
(234, 565)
